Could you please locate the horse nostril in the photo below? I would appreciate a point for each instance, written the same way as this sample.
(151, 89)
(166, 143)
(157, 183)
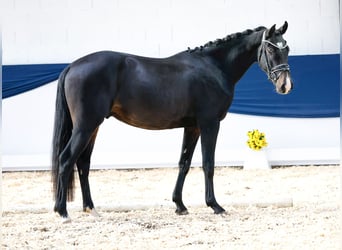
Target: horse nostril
(283, 88)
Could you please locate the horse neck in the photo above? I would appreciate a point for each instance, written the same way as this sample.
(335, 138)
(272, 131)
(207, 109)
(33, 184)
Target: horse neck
(238, 55)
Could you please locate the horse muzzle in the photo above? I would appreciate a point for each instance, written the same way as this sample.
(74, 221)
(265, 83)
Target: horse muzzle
(283, 83)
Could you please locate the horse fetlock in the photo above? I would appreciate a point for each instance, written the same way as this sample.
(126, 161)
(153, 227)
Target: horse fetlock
(217, 208)
(65, 218)
(181, 209)
(60, 209)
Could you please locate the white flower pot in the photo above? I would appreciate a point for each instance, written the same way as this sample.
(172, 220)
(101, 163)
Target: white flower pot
(256, 160)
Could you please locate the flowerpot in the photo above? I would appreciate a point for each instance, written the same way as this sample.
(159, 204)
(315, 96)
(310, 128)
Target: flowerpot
(256, 160)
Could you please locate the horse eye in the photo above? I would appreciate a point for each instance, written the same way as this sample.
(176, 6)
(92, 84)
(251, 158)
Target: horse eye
(270, 49)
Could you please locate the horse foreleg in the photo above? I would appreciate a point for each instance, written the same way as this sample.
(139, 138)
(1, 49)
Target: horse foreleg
(190, 139)
(83, 166)
(208, 141)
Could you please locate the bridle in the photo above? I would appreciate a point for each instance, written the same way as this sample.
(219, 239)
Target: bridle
(272, 73)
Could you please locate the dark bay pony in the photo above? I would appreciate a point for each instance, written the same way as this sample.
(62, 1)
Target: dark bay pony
(192, 89)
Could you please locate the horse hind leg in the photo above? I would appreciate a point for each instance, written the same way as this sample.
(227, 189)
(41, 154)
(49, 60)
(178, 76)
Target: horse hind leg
(83, 166)
(190, 139)
(78, 142)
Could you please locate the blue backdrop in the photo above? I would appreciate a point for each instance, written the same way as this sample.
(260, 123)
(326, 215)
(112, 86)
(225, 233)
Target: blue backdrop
(316, 91)
(315, 94)
(17, 79)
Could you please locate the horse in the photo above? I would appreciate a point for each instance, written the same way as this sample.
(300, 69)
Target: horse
(192, 89)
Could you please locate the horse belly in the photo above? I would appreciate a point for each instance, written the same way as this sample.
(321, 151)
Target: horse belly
(153, 115)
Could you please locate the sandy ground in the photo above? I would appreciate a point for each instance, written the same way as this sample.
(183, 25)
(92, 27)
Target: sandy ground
(302, 211)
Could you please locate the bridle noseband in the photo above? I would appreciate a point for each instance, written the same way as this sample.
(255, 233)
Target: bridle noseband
(272, 73)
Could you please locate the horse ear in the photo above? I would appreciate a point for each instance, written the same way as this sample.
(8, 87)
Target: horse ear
(283, 28)
(270, 32)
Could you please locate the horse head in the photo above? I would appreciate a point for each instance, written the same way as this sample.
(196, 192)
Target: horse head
(273, 58)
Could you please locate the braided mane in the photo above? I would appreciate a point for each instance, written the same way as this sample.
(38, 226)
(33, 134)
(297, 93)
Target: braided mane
(230, 37)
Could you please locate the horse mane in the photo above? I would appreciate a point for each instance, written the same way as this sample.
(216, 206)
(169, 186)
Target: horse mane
(226, 39)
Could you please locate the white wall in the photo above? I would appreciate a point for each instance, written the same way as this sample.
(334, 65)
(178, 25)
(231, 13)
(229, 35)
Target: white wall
(52, 31)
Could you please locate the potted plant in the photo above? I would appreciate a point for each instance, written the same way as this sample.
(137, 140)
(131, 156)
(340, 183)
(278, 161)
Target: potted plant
(256, 157)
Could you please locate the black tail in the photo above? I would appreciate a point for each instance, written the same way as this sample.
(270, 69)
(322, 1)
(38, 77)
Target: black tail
(61, 135)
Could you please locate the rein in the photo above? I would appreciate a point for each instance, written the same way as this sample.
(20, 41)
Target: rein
(272, 73)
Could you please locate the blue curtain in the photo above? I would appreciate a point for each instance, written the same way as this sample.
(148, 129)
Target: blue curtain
(315, 94)
(18, 79)
(316, 91)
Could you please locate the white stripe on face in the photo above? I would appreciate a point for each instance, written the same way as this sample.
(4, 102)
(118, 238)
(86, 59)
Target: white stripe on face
(280, 45)
(288, 84)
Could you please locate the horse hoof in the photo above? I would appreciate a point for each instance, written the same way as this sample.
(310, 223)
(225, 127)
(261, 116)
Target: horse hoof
(220, 212)
(66, 220)
(92, 212)
(182, 212)
(223, 213)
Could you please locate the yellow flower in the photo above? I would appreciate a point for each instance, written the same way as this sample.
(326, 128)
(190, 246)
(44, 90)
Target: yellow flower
(256, 139)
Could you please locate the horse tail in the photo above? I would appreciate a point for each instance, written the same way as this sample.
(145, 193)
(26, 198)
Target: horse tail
(61, 135)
